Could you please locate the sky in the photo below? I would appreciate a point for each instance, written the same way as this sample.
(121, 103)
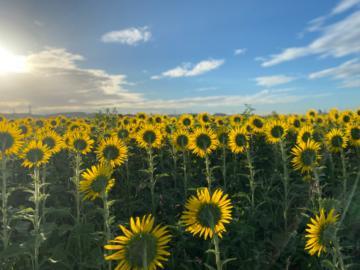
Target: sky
(179, 56)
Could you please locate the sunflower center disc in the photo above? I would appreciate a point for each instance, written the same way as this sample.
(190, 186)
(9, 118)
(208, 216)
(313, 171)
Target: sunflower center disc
(346, 119)
(123, 134)
(23, 129)
(297, 123)
(111, 152)
(149, 136)
(6, 141)
(80, 144)
(209, 215)
(277, 131)
(240, 140)
(306, 136)
(203, 141)
(99, 184)
(355, 133)
(186, 122)
(182, 141)
(258, 123)
(49, 142)
(140, 245)
(308, 157)
(336, 141)
(35, 155)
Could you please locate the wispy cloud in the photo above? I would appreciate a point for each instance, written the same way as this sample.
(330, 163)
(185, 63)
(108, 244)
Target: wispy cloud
(345, 5)
(336, 40)
(269, 81)
(348, 73)
(240, 51)
(129, 36)
(190, 70)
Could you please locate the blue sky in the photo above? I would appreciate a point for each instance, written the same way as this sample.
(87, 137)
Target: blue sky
(181, 56)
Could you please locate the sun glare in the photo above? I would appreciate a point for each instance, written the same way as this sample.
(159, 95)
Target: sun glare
(11, 63)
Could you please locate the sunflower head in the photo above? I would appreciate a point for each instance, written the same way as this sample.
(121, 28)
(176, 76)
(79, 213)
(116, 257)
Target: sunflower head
(306, 156)
(180, 139)
(203, 141)
(143, 244)
(320, 232)
(238, 140)
(276, 131)
(256, 123)
(149, 136)
(236, 119)
(206, 215)
(336, 140)
(353, 133)
(204, 118)
(311, 114)
(186, 120)
(52, 140)
(305, 134)
(35, 154)
(96, 181)
(10, 138)
(112, 151)
(223, 136)
(80, 142)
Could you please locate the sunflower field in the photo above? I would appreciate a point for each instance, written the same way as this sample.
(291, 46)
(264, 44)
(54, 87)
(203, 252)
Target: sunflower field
(147, 191)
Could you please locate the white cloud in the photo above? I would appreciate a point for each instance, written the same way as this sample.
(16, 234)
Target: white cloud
(345, 5)
(269, 81)
(348, 73)
(190, 70)
(240, 51)
(337, 40)
(129, 36)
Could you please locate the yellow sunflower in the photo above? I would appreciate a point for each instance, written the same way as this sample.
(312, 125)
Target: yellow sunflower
(112, 151)
(186, 120)
(10, 138)
(305, 134)
(275, 131)
(336, 140)
(257, 123)
(346, 117)
(143, 245)
(320, 231)
(207, 214)
(149, 136)
(223, 136)
(311, 114)
(35, 154)
(203, 141)
(80, 142)
(52, 140)
(238, 140)
(353, 133)
(306, 156)
(141, 116)
(96, 181)
(122, 132)
(204, 118)
(180, 139)
(236, 119)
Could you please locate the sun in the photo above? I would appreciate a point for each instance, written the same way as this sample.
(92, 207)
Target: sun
(11, 63)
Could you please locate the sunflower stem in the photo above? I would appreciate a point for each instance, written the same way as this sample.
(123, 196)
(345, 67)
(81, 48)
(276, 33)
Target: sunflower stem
(127, 179)
(4, 195)
(107, 228)
(185, 174)
(338, 254)
(344, 173)
(224, 166)
(152, 180)
(251, 178)
(317, 187)
(78, 202)
(285, 183)
(37, 198)
(217, 252)
(208, 172)
(144, 258)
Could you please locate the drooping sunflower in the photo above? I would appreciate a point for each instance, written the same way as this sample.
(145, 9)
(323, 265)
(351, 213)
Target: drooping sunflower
(10, 138)
(305, 134)
(206, 214)
(112, 151)
(275, 131)
(35, 154)
(186, 120)
(353, 133)
(306, 156)
(256, 123)
(203, 141)
(320, 231)
(80, 142)
(142, 245)
(180, 139)
(336, 140)
(96, 181)
(149, 136)
(238, 140)
(52, 140)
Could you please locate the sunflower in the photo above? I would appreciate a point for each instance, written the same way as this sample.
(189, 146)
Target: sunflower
(256, 123)
(305, 134)
(275, 131)
(207, 214)
(204, 118)
(122, 133)
(35, 154)
(141, 245)
(10, 138)
(96, 181)
(306, 156)
(180, 139)
(186, 120)
(236, 119)
(336, 140)
(311, 114)
(346, 117)
(80, 142)
(294, 121)
(25, 129)
(52, 140)
(112, 151)
(223, 135)
(238, 140)
(203, 141)
(141, 116)
(334, 115)
(320, 232)
(149, 136)
(353, 133)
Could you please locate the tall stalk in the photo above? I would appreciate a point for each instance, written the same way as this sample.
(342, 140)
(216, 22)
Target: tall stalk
(37, 220)
(152, 179)
(344, 174)
(185, 173)
(217, 252)
(208, 172)
(4, 195)
(251, 177)
(76, 180)
(224, 166)
(285, 183)
(107, 229)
